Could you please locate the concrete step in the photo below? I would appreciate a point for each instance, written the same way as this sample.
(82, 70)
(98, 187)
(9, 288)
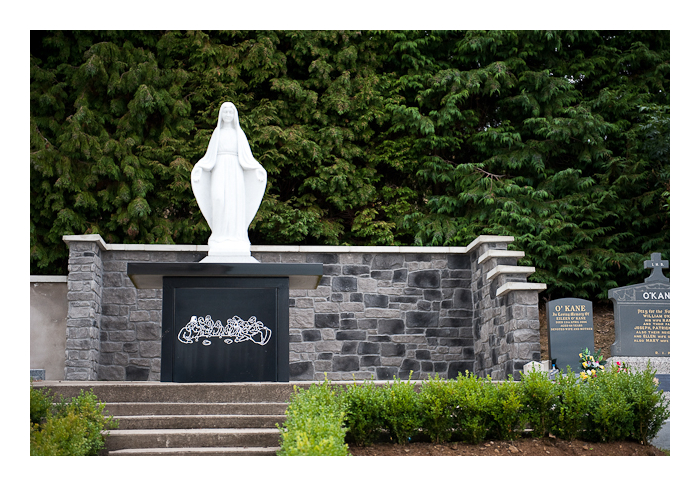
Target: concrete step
(198, 421)
(197, 451)
(141, 408)
(148, 391)
(188, 438)
(189, 418)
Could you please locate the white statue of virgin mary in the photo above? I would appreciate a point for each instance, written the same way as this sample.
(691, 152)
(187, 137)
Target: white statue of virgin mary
(229, 185)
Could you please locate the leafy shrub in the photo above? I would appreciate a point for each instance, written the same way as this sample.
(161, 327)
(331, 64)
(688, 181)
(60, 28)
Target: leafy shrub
(401, 412)
(609, 416)
(437, 403)
(314, 424)
(65, 435)
(39, 405)
(363, 413)
(539, 396)
(505, 408)
(611, 406)
(570, 406)
(471, 412)
(649, 407)
(68, 428)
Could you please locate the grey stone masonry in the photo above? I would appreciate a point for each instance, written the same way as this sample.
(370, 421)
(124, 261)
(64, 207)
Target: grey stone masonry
(378, 312)
(85, 284)
(506, 318)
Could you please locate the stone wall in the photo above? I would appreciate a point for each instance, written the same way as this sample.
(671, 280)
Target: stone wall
(377, 312)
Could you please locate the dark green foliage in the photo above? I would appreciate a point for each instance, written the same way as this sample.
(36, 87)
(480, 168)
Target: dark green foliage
(40, 404)
(472, 416)
(610, 416)
(505, 406)
(616, 405)
(400, 410)
(437, 404)
(538, 398)
(67, 428)
(560, 139)
(363, 413)
(571, 406)
(649, 410)
(314, 423)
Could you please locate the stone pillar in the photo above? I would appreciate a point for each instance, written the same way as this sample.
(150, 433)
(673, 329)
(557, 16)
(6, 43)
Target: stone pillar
(506, 318)
(84, 306)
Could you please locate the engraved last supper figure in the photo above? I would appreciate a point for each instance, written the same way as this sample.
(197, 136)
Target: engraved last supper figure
(229, 185)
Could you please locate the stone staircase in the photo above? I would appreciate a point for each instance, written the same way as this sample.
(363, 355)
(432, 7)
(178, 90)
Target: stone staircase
(189, 419)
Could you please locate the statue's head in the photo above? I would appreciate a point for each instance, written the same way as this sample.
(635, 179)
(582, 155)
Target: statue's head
(228, 113)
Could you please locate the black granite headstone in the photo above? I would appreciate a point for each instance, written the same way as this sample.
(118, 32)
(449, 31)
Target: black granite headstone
(570, 330)
(643, 314)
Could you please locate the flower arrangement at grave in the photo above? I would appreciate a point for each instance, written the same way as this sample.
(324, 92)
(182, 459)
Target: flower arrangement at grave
(621, 367)
(591, 364)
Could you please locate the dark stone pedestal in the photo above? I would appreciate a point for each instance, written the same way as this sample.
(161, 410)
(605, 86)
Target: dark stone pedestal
(225, 322)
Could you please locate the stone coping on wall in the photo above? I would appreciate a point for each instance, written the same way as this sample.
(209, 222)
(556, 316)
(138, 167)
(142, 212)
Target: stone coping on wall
(301, 248)
(510, 269)
(489, 254)
(48, 279)
(511, 286)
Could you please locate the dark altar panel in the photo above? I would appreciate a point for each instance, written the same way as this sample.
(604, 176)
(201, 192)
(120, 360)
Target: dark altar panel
(225, 329)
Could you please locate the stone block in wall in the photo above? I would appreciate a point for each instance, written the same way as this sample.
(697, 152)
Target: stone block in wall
(301, 371)
(387, 262)
(301, 318)
(425, 279)
(344, 284)
(327, 321)
(346, 363)
(392, 349)
(348, 324)
(137, 373)
(123, 296)
(417, 319)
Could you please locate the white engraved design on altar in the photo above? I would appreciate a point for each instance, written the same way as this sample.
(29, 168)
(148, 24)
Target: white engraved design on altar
(236, 330)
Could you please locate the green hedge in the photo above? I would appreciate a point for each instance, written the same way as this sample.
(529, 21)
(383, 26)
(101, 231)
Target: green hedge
(613, 406)
(314, 425)
(66, 428)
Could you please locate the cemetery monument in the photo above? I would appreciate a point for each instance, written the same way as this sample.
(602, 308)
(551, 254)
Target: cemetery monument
(643, 314)
(226, 318)
(570, 327)
(229, 185)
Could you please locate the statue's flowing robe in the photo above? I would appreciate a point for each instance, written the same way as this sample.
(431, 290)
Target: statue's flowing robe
(236, 182)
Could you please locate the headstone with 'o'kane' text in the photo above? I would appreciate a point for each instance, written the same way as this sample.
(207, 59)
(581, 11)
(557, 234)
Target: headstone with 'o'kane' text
(570, 330)
(643, 314)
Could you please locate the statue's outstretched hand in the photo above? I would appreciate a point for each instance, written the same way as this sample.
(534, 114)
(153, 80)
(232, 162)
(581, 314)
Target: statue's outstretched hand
(261, 175)
(196, 174)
